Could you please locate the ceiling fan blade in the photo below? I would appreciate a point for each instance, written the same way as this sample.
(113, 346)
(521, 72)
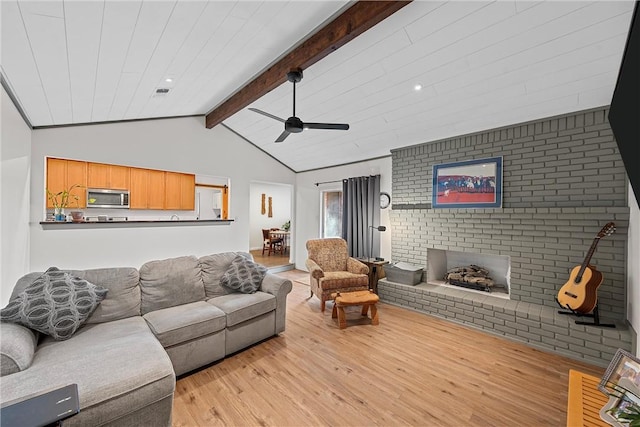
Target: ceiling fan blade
(336, 126)
(264, 113)
(283, 135)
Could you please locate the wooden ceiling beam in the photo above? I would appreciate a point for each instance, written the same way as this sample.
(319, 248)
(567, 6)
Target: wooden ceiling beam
(360, 17)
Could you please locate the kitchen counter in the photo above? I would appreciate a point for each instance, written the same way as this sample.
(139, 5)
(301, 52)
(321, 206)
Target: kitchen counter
(48, 225)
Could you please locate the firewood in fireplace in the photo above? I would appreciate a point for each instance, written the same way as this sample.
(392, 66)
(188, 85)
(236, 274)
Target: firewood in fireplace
(470, 276)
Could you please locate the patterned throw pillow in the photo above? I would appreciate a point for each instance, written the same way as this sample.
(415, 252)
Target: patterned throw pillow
(243, 275)
(56, 304)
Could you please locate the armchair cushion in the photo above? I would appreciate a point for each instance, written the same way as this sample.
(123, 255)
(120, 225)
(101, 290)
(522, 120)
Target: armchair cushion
(343, 279)
(330, 254)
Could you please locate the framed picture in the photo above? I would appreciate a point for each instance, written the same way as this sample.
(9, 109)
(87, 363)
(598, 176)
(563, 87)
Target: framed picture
(468, 184)
(622, 375)
(618, 411)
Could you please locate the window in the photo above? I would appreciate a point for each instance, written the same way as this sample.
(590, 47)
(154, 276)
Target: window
(331, 214)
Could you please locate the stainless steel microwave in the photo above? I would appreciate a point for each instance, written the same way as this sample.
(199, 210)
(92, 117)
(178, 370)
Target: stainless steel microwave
(105, 198)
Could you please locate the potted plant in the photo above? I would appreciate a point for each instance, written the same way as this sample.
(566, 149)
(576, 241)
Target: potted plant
(286, 226)
(61, 200)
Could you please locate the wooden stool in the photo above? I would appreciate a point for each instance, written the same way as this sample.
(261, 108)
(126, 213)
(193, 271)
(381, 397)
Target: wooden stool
(345, 299)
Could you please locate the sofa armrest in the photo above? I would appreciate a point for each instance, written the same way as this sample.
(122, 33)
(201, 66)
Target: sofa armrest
(280, 288)
(314, 269)
(275, 285)
(17, 347)
(357, 267)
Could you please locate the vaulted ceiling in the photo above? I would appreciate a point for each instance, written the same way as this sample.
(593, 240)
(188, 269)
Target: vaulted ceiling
(481, 65)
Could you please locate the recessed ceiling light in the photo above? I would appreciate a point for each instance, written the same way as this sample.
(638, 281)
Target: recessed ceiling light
(168, 80)
(417, 87)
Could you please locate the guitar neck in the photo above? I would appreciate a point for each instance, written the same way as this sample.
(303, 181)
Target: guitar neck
(587, 259)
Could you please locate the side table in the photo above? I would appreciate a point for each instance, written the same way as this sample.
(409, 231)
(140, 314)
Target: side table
(376, 271)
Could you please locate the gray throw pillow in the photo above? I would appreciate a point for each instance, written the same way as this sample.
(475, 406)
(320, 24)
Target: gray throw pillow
(243, 275)
(56, 304)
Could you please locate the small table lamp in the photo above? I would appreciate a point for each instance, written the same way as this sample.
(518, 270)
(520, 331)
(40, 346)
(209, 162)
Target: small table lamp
(379, 228)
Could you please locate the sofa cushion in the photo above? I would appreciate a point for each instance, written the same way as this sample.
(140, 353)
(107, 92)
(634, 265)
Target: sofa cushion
(213, 267)
(170, 282)
(17, 346)
(241, 307)
(243, 275)
(56, 304)
(123, 298)
(119, 366)
(175, 325)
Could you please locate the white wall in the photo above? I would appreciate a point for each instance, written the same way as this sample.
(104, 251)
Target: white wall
(180, 144)
(307, 202)
(15, 151)
(281, 196)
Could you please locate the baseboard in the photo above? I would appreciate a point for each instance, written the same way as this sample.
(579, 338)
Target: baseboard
(280, 268)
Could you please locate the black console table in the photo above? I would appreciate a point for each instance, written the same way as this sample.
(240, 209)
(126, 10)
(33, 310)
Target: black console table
(376, 271)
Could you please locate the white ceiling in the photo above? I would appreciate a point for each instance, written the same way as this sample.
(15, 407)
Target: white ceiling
(482, 65)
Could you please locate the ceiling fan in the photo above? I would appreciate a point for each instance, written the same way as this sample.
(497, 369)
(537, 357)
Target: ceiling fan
(293, 124)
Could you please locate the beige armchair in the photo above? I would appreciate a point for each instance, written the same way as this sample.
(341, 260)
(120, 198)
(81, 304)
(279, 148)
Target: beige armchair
(332, 270)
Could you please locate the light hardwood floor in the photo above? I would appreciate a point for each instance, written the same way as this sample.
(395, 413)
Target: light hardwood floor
(410, 370)
(273, 260)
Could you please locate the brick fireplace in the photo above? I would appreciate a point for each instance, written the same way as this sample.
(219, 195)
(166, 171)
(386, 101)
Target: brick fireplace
(563, 179)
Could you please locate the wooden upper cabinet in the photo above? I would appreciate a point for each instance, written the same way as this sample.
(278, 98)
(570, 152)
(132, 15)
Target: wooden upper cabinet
(119, 177)
(180, 190)
(100, 175)
(156, 192)
(139, 188)
(147, 189)
(62, 174)
(188, 191)
(56, 178)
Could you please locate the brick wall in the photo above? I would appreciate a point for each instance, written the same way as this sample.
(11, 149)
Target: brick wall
(563, 180)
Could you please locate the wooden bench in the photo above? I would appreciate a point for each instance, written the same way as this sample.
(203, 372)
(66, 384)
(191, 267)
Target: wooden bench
(367, 299)
(584, 401)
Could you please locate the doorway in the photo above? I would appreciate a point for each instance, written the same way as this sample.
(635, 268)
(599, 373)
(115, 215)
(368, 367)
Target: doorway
(271, 209)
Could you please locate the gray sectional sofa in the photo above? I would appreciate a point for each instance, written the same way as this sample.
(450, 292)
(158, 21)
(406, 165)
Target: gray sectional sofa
(157, 322)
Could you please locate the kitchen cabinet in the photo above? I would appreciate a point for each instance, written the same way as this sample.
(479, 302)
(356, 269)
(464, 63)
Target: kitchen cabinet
(147, 189)
(101, 175)
(156, 192)
(63, 174)
(180, 190)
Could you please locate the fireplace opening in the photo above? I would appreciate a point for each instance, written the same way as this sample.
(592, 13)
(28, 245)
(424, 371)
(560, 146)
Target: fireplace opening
(473, 277)
(473, 272)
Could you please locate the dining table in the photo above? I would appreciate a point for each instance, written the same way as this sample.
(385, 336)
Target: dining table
(281, 234)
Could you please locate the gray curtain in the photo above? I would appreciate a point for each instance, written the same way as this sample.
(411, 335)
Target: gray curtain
(361, 211)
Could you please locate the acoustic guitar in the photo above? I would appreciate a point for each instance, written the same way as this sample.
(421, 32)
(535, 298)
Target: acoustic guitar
(579, 294)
